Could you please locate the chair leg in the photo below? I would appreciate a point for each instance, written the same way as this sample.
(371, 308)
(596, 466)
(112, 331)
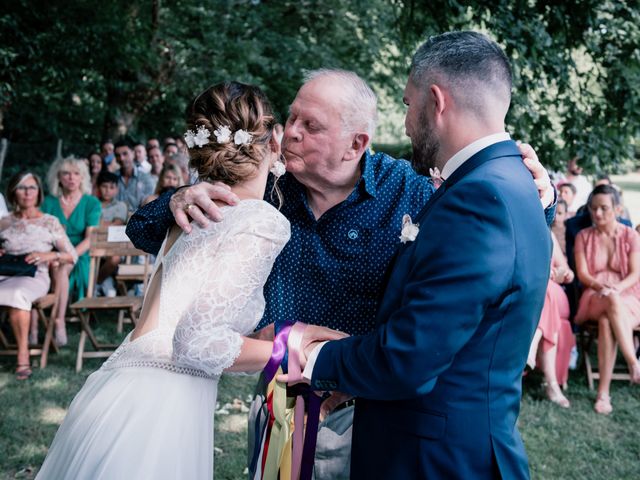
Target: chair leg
(48, 338)
(81, 342)
(586, 341)
(120, 326)
(4, 343)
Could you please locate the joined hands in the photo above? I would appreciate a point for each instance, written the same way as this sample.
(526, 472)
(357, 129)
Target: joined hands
(313, 337)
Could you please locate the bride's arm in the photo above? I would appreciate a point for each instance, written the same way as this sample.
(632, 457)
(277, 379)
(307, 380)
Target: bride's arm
(254, 355)
(210, 335)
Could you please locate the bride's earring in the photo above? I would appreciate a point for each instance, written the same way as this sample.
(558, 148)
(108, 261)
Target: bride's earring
(278, 168)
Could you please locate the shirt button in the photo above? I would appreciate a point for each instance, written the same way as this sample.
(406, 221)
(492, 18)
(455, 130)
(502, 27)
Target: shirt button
(353, 234)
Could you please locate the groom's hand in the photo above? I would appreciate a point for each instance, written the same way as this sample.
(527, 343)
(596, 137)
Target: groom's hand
(312, 337)
(540, 174)
(196, 203)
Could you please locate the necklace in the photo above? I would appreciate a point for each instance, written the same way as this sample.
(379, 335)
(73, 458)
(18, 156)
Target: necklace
(72, 201)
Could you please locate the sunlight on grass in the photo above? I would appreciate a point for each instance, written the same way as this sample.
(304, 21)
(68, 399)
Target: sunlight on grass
(31, 450)
(5, 378)
(50, 383)
(236, 423)
(52, 415)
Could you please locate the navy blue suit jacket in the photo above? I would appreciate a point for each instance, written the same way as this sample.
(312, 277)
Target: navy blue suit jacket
(439, 381)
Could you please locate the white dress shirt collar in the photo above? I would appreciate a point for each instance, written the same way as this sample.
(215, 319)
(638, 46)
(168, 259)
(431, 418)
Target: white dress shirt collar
(470, 150)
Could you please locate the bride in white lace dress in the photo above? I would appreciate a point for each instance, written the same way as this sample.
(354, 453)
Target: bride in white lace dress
(147, 413)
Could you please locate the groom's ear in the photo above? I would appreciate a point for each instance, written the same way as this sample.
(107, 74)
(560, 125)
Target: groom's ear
(438, 100)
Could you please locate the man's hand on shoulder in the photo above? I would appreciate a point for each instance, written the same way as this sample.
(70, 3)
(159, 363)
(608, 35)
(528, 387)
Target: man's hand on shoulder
(197, 203)
(540, 175)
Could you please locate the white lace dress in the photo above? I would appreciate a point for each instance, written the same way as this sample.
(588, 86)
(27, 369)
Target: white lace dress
(148, 412)
(20, 236)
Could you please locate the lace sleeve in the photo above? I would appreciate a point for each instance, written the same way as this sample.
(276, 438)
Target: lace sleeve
(229, 302)
(60, 240)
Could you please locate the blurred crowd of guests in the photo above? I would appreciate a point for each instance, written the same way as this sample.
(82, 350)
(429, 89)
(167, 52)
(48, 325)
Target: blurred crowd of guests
(52, 229)
(594, 279)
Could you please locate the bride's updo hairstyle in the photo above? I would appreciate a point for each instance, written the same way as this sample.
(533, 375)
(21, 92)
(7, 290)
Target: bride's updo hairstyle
(239, 107)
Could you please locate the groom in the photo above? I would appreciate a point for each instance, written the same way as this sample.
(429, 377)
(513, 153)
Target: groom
(439, 380)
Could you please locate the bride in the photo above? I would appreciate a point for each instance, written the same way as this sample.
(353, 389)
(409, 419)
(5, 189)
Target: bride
(148, 411)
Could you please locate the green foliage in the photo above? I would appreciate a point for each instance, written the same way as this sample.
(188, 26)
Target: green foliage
(85, 69)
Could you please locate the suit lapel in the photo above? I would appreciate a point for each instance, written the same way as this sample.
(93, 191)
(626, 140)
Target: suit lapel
(497, 150)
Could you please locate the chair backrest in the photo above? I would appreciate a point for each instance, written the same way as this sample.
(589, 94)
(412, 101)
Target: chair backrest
(101, 247)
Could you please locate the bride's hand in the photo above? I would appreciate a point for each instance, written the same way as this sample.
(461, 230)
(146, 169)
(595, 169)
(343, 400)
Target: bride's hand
(196, 203)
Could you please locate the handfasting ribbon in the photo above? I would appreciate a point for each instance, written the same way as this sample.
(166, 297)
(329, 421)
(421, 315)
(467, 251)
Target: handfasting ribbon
(311, 436)
(278, 352)
(285, 453)
(295, 375)
(303, 455)
(280, 431)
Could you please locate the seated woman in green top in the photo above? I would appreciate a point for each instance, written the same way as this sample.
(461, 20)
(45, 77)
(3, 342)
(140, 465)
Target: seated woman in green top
(70, 200)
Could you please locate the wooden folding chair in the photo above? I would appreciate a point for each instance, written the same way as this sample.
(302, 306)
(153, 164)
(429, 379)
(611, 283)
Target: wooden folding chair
(87, 308)
(45, 308)
(128, 273)
(588, 336)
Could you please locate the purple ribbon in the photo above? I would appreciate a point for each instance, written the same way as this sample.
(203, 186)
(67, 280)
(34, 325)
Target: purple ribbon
(310, 436)
(277, 354)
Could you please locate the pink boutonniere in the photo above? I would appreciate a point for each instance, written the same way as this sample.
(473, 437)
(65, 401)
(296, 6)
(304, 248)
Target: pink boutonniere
(436, 178)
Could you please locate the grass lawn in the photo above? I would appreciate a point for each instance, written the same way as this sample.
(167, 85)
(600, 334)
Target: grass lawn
(562, 444)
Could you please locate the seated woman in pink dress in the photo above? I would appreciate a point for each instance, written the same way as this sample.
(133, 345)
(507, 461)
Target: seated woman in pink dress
(28, 231)
(608, 266)
(547, 338)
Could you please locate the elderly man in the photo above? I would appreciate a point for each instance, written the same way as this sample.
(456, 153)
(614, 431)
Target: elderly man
(438, 381)
(345, 205)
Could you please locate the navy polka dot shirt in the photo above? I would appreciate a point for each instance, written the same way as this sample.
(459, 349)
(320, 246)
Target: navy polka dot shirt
(331, 271)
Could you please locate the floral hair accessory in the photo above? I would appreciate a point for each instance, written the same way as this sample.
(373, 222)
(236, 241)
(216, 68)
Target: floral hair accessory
(223, 134)
(409, 230)
(198, 138)
(242, 137)
(278, 168)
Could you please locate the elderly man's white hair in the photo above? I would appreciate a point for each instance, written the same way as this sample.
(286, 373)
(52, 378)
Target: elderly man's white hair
(359, 103)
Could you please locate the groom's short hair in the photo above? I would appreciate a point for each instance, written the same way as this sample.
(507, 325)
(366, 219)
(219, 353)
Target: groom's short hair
(473, 68)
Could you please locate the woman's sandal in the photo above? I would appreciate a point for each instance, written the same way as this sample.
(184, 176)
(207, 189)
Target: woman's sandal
(555, 395)
(23, 372)
(603, 404)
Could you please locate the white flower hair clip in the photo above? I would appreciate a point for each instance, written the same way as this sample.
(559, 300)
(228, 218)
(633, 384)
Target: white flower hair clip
(198, 138)
(278, 168)
(409, 230)
(242, 137)
(223, 134)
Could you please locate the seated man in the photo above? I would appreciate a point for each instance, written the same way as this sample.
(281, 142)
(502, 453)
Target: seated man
(133, 184)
